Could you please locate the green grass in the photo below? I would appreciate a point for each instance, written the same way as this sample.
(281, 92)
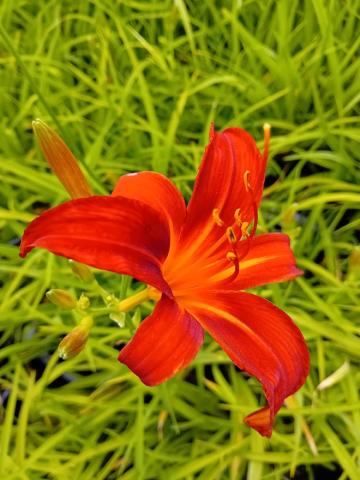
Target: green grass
(133, 85)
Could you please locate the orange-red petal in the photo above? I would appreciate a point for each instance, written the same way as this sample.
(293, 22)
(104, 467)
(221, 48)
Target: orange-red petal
(269, 259)
(157, 191)
(231, 177)
(260, 339)
(165, 343)
(117, 234)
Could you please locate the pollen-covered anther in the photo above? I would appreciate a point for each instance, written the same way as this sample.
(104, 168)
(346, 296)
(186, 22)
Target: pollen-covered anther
(246, 180)
(231, 256)
(216, 217)
(231, 235)
(237, 217)
(244, 227)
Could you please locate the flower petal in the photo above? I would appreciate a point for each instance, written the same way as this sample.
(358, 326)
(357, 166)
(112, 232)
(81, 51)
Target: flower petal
(110, 233)
(260, 339)
(270, 259)
(157, 191)
(222, 183)
(165, 342)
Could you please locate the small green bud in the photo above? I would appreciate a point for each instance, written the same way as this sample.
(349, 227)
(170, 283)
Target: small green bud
(75, 341)
(111, 300)
(83, 302)
(61, 298)
(82, 271)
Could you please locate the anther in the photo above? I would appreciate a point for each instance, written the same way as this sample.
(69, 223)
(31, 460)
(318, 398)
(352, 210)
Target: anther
(246, 180)
(231, 235)
(216, 217)
(231, 256)
(237, 217)
(244, 227)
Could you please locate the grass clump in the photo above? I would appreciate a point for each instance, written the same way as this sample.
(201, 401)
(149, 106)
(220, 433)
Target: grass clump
(131, 86)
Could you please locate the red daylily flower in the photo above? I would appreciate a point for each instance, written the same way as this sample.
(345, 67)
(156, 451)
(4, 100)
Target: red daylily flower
(199, 257)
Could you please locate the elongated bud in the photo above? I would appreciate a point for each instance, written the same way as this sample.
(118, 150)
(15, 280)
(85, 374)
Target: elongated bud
(82, 271)
(61, 298)
(61, 160)
(75, 341)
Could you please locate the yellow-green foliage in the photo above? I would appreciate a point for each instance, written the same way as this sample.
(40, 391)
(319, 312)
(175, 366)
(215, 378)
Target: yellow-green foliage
(133, 85)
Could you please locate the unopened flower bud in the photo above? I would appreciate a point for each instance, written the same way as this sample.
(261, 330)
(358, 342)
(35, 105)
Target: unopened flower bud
(83, 303)
(61, 298)
(111, 300)
(82, 271)
(61, 160)
(75, 341)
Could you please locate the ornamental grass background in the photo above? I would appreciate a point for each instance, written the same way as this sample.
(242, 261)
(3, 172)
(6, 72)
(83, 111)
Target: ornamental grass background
(131, 86)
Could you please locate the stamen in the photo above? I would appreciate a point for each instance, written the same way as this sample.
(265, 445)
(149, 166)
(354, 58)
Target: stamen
(216, 217)
(231, 256)
(249, 189)
(237, 254)
(244, 227)
(212, 131)
(231, 235)
(246, 180)
(256, 216)
(267, 132)
(237, 217)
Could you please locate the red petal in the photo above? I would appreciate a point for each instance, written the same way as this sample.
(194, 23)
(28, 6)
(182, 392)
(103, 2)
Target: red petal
(157, 191)
(260, 339)
(220, 183)
(270, 259)
(165, 342)
(110, 233)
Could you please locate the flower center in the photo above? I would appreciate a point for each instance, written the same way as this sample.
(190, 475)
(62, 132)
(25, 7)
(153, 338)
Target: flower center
(205, 262)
